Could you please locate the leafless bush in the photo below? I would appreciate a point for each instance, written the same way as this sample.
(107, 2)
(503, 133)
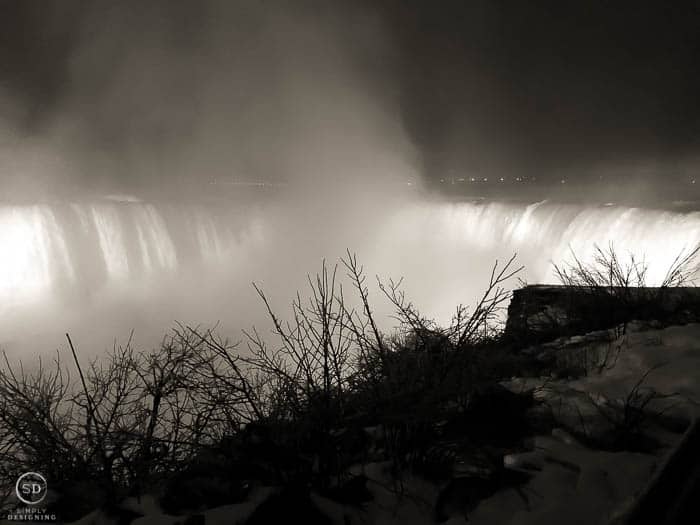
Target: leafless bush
(466, 329)
(128, 419)
(133, 418)
(445, 356)
(412, 377)
(311, 360)
(610, 290)
(608, 270)
(300, 380)
(36, 427)
(330, 363)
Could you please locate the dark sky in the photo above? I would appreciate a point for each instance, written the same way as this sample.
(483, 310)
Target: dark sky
(551, 84)
(548, 84)
(489, 86)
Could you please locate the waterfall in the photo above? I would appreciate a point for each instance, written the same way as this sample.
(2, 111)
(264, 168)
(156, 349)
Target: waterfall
(546, 232)
(90, 244)
(46, 246)
(33, 250)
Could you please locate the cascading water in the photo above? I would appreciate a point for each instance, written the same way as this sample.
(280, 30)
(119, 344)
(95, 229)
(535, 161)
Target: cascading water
(163, 262)
(546, 232)
(45, 247)
(34, 251)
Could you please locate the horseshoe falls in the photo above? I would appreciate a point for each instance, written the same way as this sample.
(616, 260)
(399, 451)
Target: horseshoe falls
(546, 232)
(46, 248)
(102, 268)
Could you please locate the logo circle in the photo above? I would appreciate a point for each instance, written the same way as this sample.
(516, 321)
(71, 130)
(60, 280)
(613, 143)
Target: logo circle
(31, 488)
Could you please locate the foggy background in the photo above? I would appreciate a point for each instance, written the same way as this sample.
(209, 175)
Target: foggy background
(170, 102)
(158, 91)
(128, 95)
(345, 110)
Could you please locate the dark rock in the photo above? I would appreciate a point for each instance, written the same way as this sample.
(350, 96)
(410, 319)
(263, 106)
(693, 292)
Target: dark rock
(542, 312)
(495, 417)
(291, 505)
(194, 519)
(670, 422)
(461, 495)
(352, 492)
(120, 516)
(75, 499)
(210, 480)
(185, 493)
(279, 453)
(351, 445)
(437, 463)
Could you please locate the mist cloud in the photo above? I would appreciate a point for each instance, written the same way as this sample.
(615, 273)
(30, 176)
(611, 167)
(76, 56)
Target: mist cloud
(166, 93)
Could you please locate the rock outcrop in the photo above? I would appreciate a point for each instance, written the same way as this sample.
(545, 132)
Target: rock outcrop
(544, 312)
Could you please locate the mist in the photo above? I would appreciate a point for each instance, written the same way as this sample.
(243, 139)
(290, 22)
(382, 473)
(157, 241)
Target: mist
(170, 93)
(180, 102)
(158, 158)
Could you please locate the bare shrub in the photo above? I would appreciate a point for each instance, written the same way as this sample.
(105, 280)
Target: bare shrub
(37, 427)
(312, 361)
(299, 382)
(411, 379)
(330, 367)
(611, 291)
(132, 419)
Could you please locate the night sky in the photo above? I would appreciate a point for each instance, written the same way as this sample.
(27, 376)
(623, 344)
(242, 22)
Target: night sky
(551, 84)
(487, 87)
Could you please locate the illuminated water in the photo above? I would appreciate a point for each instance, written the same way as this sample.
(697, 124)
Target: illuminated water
(101, 268)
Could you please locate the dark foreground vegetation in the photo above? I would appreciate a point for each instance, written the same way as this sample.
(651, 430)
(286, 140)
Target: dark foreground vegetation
(200, 421)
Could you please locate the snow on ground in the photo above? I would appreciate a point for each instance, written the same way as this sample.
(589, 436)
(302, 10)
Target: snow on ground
(674, 355)
(578, 485)
(575, 485)
(571, 483)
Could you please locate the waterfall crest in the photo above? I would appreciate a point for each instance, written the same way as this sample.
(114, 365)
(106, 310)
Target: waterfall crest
(88, 244)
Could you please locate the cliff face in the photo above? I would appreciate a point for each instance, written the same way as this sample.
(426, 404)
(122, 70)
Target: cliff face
(544, 312)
